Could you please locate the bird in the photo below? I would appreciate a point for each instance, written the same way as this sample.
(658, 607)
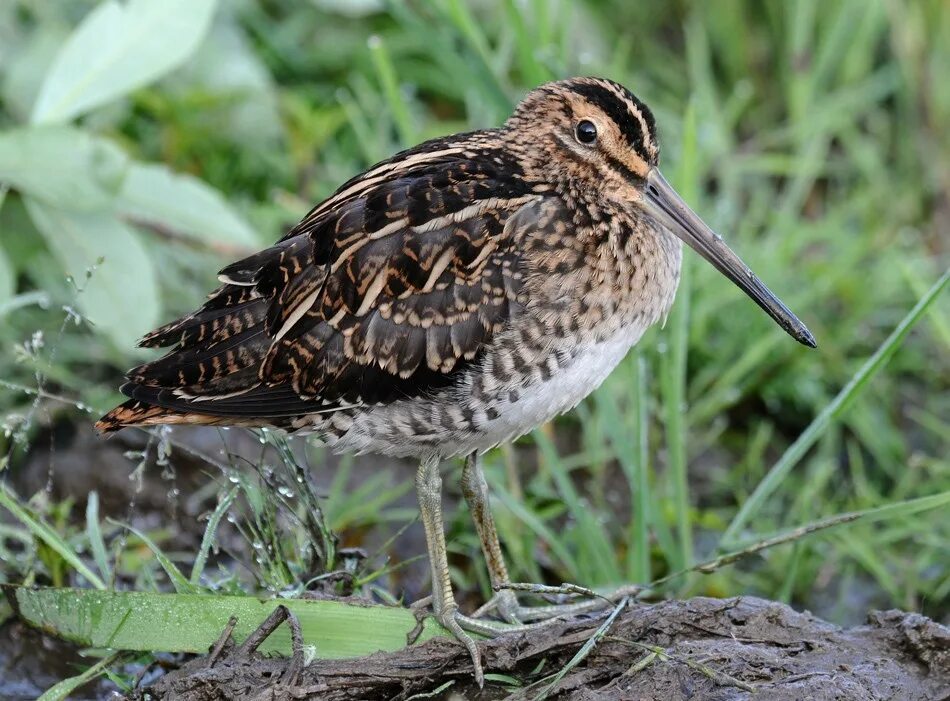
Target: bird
(447, 300)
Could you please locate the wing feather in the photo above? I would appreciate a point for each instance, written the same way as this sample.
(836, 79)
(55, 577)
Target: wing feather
(384, 291)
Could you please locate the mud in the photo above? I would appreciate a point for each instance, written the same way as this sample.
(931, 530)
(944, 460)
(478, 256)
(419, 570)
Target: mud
(702, 648)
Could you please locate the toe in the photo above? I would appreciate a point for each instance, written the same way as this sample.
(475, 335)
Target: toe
(509, 609)
(449, 619)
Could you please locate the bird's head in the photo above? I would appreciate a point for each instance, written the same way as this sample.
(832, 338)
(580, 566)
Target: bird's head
(597, 142)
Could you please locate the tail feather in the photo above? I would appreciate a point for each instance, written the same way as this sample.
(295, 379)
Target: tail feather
(136, 413)
(211, 374)
(206, 321)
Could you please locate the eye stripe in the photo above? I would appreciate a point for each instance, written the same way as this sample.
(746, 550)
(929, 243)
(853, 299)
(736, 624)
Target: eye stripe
(637, 132)
(622, 168)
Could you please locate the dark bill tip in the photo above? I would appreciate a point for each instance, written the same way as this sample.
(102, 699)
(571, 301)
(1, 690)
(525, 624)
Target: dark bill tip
(663, 202)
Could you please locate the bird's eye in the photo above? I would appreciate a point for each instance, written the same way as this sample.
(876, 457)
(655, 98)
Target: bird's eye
(586, 132)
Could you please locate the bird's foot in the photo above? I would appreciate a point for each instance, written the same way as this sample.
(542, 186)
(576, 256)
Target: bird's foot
(460, 626)
(452, 621)
(506, 606)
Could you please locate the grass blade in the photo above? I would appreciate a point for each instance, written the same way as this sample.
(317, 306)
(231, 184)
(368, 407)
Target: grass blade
(208, 538)
(44, 532)
(904, 508)
(584, 651)
(96, 543)
(832, 411)
(673, 364)
(386, 72)
(641, 482)
(63, 690)
(182, 585)
(598, 557)
(556, 544)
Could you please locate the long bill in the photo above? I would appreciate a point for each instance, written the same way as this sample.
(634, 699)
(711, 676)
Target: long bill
(662, 201)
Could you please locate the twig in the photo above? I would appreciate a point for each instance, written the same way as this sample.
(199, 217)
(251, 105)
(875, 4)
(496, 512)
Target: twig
(660, 653)
(565, 588)
(711, 566)
(291, 675)
(265, 629)
(223, 640)
(585, 649)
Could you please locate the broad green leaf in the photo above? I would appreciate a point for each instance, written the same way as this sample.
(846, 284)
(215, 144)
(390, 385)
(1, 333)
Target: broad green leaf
(154, 194)
(126, 620)
(118, 295)
(25, 67)
(117, 48)
(62, 166)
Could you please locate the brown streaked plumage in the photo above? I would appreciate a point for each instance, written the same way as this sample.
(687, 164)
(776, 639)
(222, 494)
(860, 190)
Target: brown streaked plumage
(446, 300)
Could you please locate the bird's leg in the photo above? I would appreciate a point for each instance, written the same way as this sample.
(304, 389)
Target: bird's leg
(505, 601)
(429, 491)
(475, 491)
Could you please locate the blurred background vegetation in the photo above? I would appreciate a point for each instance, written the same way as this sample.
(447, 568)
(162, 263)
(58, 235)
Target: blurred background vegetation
(144, 145)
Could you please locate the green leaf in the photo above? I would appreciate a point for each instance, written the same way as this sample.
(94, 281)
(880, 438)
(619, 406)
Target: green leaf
(153, 193)
(40, 529)
(145, 621)
(96, 543)
(7, 278)
(208, 539)
(182, 585)
(64, 689)
(118, 48)
(227, 65)
(25, 67)
(62, 166)
(119, 294)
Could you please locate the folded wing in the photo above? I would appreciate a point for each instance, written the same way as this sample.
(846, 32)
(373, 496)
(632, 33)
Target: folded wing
(384, 291)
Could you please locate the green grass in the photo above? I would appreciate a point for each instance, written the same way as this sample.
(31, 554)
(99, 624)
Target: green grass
(809, 134)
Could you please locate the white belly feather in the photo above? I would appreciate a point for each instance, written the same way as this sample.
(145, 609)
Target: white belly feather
(394, 429)
(543, 401)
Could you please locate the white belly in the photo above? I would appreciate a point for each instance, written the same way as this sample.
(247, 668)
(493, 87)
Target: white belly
(456, 422)
(542, 401)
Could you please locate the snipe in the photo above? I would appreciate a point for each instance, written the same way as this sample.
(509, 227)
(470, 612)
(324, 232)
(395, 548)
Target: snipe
(447, 300)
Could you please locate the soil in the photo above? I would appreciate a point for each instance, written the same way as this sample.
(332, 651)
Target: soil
(711, 649)
(702, 648)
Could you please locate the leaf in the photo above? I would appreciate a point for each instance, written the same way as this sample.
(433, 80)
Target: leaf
(63, 690)
(182, 585)
(155, 194)
(7, 278)
(127, 620)
(25, 67)
(41, 530)
(118, 295)
(208, 539)
(62, 166)
(118, 48)
(94, 534)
